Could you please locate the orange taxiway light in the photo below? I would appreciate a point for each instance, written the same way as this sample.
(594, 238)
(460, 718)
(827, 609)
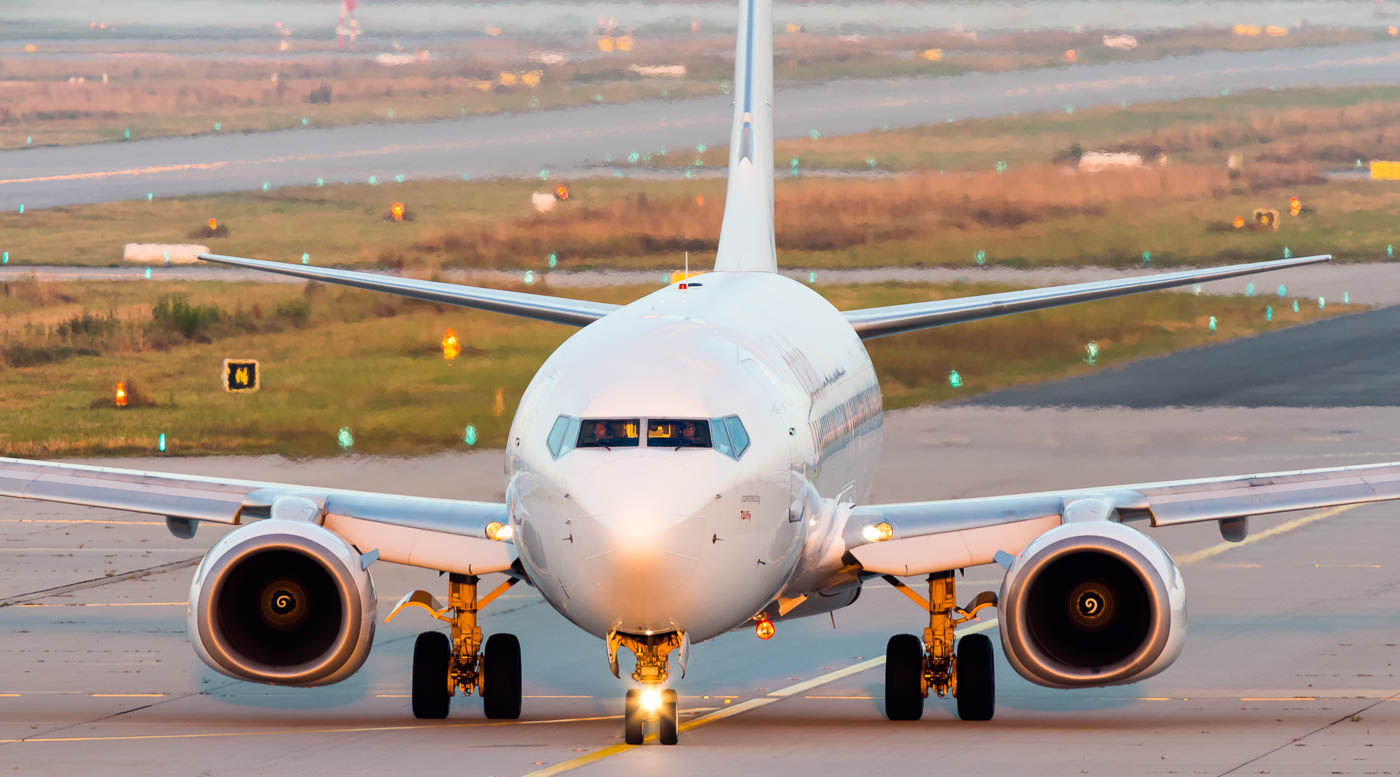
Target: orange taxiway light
(451, 346)
(561, 192)
(1295, 206)
(396, 210)
(1393, 30)
(1239, 222)
(121, 393)
(763, 629)
(1071, 55)
(213, 225)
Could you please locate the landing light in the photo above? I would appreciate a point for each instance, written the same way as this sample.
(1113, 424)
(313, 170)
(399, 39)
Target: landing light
(764, 629)
(651, 700)
(500, 532)
(877, 532)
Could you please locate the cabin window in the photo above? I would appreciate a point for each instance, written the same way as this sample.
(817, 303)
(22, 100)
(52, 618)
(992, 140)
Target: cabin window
(609, 433)
(678, 433)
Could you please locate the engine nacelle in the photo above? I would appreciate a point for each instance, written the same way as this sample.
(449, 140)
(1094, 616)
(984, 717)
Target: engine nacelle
(1089, 604)
(282, 602)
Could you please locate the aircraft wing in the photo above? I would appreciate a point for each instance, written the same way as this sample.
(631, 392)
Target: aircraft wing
(893, 319)
(442, 534)
(927, 537)
(559, 310)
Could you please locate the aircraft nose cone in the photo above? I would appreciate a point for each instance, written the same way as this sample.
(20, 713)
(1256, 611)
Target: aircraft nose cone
(641, 547)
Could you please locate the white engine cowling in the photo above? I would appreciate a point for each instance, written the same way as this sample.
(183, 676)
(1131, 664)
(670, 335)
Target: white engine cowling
(1090, 604)
(282, 602)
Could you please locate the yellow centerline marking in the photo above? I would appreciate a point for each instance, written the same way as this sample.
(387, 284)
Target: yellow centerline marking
(1273, 531)
(737, 709)
(10, 695)
(296, 731)
(840, 698)
(126, 695)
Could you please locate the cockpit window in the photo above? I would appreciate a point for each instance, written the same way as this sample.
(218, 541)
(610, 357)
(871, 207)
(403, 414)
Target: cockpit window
(738, 435)
(609, 433)
(678, 433)
(563, 435)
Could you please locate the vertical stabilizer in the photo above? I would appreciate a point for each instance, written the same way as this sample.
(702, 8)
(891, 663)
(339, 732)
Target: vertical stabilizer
(746, 236)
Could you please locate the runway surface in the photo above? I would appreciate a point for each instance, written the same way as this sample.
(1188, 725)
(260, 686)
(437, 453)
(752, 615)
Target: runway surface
(524, 144)
(1348, 361)
(1290, 666)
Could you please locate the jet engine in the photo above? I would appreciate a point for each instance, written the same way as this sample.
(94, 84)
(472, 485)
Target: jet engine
(282, 602)
(1089, 604)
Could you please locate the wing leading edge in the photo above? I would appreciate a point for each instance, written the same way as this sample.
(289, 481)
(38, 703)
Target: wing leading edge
(893, 319)
(950, 534)
(559, 310)
(443, 534)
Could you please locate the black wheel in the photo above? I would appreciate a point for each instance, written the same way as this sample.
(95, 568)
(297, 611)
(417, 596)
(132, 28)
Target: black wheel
(904, 678)
(668, 728)
(634, 720)
(977, 692)
(432, 654)
(500, 668)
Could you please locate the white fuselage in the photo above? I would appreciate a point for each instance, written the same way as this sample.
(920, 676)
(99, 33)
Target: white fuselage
(654, 539)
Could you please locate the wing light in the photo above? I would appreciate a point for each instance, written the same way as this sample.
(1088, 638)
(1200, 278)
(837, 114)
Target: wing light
(500, 532)
(877, 532)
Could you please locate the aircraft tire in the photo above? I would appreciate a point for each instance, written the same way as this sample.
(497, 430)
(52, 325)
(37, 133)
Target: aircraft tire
(634, 720)
(500, 666)
(668, 729)
(976, 678)
(432, 654)
(904, 670)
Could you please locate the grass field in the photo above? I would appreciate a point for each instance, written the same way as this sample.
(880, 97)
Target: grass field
(333, 358)
(1038, 211)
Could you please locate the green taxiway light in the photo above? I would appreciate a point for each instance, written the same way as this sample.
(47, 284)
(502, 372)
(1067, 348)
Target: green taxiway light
(954, 379)
(1346, 298)
(553, 259)
(469, 436)
(6, 259)
(160, 444)
(529, 276)
(1321, 303)
(812, 277)
(148, 273)
(1295, 306)
(1282, 290)
(981, 257)
(150, 196)
(1212, 323)
(1147, 257)
(1287, 254)
(267, 185)
(814, 134)
(344, 438)
(1269, 314)
(305, 258)
(1091, 352)
(1249, 289)
(218, 126)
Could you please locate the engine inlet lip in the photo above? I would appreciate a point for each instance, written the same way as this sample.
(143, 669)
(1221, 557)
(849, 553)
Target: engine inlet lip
(301, 674)
(1015, 618)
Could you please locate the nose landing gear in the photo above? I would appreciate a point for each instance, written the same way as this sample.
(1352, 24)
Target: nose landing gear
(912, 669)
(650, 702)
(443, 665)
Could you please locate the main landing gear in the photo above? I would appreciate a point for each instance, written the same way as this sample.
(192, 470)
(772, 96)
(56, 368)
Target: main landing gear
(912, 669)
(650, 702)
(443, 665)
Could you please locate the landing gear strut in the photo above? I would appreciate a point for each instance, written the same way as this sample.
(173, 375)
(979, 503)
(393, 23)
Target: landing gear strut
(443, 665)
(913, 670)
(649, 702)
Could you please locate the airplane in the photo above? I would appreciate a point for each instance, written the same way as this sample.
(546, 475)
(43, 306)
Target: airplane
(690, 463)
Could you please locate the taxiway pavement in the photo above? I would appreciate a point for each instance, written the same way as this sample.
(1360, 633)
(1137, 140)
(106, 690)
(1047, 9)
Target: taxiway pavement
(1290, 667)
(523, 144)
